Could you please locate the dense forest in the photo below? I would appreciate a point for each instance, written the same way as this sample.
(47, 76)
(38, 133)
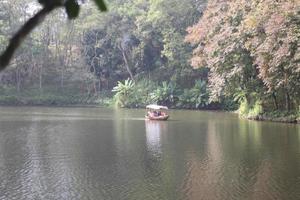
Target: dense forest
(193, 54)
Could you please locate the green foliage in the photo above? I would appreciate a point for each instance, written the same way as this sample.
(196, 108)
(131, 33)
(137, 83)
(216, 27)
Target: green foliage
(279, 116)
(200, 88)
(195, 98)
(145, 39)
(143, 89)
(145, 36)
(9, 96)
(244, 108)
(256, 110)
(239, 96)
(146, 92)
(251, 110)
(253, 45)
(124, 93)
(165, 94)
(228, 104)
(101, 5)
(72, 9)
(248, 51)
(9, 100)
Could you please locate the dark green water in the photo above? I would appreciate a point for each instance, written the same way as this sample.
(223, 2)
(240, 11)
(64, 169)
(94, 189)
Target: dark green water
(95, 154)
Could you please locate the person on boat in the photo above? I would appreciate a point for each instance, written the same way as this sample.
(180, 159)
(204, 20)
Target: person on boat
(156, 112)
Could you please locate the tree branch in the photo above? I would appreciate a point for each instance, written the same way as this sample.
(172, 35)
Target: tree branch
(18, 38)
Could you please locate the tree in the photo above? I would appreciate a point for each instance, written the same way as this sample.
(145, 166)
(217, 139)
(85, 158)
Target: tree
(251, 46)
(274, 44)
(72, 9)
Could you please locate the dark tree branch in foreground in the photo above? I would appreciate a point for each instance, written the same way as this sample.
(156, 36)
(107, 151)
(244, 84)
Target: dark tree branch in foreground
(72, 9)
(18, 38)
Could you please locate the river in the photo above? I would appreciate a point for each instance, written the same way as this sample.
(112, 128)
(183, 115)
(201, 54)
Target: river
(101, 153)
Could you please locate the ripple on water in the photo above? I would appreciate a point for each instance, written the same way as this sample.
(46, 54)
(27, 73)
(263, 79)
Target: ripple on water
(89, 156)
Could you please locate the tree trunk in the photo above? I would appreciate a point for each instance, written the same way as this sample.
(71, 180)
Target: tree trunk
(18, 38)
(127, 65)
(95, 87)
(99, 85)
(275, 100)
(62, 78)
(41, 79)
(287, 101)
(18, 80)
(88, 89)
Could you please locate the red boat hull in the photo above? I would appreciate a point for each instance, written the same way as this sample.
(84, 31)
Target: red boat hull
(161, 118)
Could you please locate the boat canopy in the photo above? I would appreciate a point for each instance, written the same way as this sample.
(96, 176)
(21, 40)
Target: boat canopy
(157, 107)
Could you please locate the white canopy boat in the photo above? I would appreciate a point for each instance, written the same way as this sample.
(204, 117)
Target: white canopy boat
(156, 112)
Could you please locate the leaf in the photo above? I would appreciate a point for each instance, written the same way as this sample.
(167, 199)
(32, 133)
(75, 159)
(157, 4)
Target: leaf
(101, 5)
(72, 9)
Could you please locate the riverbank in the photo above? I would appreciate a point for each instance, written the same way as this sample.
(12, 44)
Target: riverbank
(69, 100)
(53, 100)
(258, 113)
(276, 117)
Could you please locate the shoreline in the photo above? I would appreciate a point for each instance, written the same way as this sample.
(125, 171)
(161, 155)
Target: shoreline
(290, 119)
(283, 119)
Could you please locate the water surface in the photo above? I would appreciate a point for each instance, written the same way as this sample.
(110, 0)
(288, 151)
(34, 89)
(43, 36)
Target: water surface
(97, 153)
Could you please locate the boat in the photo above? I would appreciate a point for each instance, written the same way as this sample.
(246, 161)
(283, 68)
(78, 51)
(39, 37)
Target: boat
(156, 112)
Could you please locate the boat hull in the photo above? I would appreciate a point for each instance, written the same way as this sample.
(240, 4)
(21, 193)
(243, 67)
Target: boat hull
(159, 118)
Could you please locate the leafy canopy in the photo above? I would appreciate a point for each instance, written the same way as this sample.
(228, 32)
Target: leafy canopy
(72, 8)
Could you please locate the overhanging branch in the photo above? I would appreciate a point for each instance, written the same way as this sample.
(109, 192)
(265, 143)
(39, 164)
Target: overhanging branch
(18, 38)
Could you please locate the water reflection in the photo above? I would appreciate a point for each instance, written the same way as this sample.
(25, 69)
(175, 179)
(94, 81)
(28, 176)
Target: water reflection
(200, 155)
(203, 173)
(244, 160)
(154, 132)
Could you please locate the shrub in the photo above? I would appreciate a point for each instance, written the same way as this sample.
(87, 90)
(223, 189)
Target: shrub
(244, 108)
(256, 110)
(166, 94)
(197, 97)
(142, 91)
(9, 100)
(124, 93)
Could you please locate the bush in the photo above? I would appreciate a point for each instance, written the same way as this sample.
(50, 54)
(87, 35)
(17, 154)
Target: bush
(166, 94)
(196, 98)
(124, 93)
(244, 108)
(9, 100)
(142, 91)
(256, 110)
